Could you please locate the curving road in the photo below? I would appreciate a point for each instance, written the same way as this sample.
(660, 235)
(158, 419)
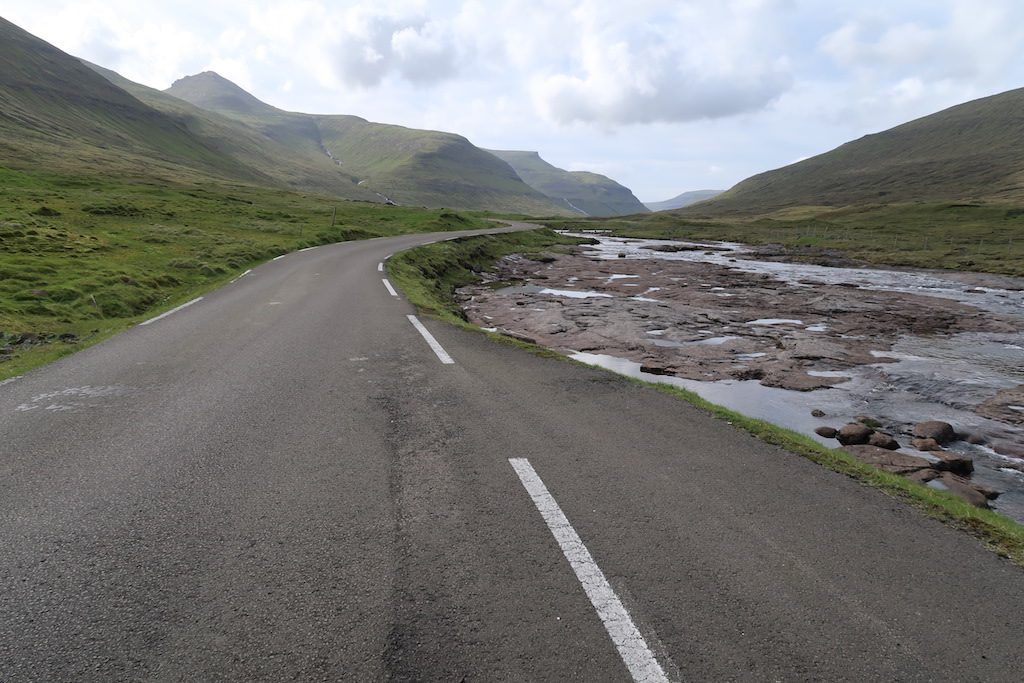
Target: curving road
(284, 481)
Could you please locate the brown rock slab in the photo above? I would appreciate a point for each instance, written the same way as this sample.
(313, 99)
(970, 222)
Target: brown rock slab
(889, 461)
(926, 444)
(941, 432)
(978, 496)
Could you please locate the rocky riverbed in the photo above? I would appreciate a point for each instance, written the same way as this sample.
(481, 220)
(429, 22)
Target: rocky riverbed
(803, 345)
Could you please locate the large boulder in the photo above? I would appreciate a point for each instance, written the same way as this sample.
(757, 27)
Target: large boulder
(854, 433)
(826, 432)
(942, 432)
(890, 461)
(953, 462)
(884, 441)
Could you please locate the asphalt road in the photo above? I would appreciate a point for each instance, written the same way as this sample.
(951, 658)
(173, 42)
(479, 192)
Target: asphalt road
(283, 481)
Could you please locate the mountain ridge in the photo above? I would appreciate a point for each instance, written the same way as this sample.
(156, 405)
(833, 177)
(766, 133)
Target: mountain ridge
(585, 192)
(973, 151)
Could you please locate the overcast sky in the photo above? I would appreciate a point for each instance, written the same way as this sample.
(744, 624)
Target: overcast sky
(662, 96)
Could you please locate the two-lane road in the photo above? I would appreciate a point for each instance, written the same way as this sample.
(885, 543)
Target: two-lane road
(288, 480)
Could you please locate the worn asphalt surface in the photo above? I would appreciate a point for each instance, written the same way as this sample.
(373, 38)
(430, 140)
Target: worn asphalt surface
(283, 482)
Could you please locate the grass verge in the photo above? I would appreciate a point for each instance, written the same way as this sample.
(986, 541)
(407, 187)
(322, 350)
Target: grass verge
(84, 257)
(430, 275)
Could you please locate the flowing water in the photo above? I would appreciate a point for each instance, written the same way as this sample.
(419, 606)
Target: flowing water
(935, 377)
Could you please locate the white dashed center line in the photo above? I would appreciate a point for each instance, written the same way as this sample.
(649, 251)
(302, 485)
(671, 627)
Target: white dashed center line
(391, 290)
(380, 267)
(433, 343)
(173, 310)
(628, 640)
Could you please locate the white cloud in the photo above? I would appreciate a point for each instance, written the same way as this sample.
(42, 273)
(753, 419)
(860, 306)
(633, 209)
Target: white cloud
(633, 68)
(662, 95)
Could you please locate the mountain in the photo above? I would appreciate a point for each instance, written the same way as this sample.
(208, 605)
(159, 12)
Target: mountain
(681, 200)
(406, 165)
(971, 152)
(585, 193)
(278, 163)
(58, 114)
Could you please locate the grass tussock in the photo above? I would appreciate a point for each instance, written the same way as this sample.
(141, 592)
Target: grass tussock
(430, 275)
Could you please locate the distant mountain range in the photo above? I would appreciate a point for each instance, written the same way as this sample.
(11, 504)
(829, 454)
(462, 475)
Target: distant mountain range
(684, 199)
(63, 115)
(973, 152)
(588, 194)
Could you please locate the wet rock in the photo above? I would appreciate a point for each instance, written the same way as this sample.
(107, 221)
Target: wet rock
(889, 461)
(854, 433)
(869, 421)
(673, 248)
(884, 441)
(655, 369)
(1007, 406)
(826, 432)
(1014, 450)
(817, 412)
(953, 462)
(923, 476)
(977, 496)
(942, 432)
(974, 439)
(926, 444)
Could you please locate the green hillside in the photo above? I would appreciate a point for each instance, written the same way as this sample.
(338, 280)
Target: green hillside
(407, 166)
(682, 200)
(585, 193)
(54, 111)
(970, 152)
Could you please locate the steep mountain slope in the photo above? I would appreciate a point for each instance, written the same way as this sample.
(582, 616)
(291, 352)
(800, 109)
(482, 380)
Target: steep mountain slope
(970, 152)
(406, 165)
(296, 167)
(586, 193)
(681, 200)
(57, 114)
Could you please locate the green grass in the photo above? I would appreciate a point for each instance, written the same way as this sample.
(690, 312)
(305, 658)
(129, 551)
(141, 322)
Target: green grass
(429, 276)
(87, 257)
(952, 235)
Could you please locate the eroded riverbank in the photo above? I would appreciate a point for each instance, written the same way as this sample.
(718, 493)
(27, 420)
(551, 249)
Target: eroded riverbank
(779, 340)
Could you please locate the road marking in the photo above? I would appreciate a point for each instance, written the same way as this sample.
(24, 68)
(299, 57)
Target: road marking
(391, 290)
(9, 380)
(241, 276)
(306, 249)
(173, 310)
(380, 267)
(277, 258)
(628, 640)
(434, 345)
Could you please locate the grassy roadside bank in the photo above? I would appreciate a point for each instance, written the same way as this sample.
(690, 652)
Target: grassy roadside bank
(430, 275)
(82, 257)
(977, 237)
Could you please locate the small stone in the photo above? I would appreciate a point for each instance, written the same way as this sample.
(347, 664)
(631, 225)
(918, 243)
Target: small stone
(826, 432)
(926, 444)
(817, 412)
(884, 441)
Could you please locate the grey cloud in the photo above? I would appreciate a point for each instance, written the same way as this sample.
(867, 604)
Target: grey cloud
(414, 49)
